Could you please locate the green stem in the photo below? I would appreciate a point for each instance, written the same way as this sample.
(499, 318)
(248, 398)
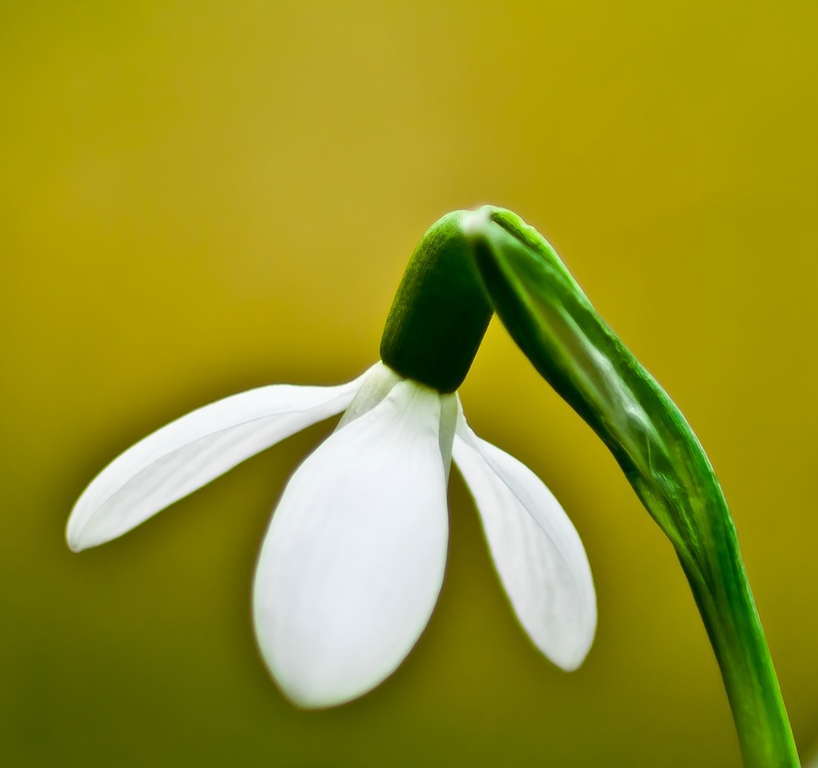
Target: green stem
(556, 326)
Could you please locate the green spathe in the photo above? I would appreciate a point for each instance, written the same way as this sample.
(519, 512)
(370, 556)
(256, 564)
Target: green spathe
(555, 325)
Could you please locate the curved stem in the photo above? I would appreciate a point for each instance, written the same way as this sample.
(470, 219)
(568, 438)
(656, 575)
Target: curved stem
(555, 325)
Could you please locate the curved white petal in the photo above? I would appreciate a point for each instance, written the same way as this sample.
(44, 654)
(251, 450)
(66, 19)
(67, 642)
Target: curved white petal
(353, 561)
(536, 549)
(193, 450)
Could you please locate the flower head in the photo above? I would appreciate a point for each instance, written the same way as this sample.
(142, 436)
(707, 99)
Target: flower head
(353, 560)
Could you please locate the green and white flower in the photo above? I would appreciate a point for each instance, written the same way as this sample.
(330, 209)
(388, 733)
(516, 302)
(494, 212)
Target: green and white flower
(352, 563)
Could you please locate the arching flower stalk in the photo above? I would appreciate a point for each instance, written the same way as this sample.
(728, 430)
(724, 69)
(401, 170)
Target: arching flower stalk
(572, 347)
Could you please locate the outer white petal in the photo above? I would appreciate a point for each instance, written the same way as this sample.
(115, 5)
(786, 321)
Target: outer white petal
(193, 450)
(353, 561)
(536, 549)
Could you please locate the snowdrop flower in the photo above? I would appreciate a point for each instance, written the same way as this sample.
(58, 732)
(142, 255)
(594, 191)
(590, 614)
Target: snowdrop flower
(353, 560)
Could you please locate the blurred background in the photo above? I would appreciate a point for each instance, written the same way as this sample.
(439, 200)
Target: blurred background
(201, 197)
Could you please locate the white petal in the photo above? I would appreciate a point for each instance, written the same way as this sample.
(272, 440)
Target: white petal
(193, 450)
(378, 383)
(353, 561)
(536, 549)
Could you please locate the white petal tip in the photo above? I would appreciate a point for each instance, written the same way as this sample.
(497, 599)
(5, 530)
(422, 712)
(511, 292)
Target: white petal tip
(84, 534)
(307, 697)
(572, 663)
(73, 538)
(575, 646)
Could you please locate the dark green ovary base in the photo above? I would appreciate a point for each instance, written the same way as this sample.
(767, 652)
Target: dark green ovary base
(440, 312)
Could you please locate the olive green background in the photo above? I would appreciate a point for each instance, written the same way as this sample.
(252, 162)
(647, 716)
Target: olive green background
(201, 197)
